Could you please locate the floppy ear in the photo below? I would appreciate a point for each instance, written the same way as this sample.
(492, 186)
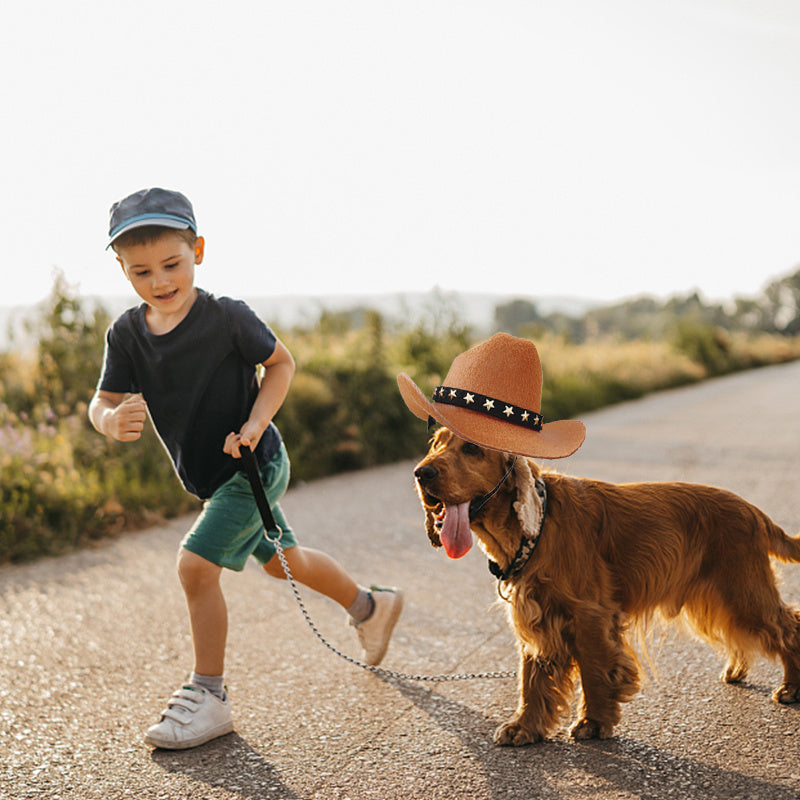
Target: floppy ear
(430, 529)
(430, 520)
(527, 505)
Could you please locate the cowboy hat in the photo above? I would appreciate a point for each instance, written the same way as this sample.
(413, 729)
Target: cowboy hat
(492, 396)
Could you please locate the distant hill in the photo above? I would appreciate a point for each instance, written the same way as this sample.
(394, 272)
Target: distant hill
(475, 310)
(775, 310)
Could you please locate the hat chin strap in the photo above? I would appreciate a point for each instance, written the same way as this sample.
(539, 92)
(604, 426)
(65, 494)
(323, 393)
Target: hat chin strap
(479, 503)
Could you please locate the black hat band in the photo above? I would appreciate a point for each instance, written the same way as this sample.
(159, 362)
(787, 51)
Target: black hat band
(490, 406)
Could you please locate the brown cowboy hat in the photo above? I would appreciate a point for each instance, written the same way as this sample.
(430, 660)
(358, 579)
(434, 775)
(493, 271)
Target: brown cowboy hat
(492, 396)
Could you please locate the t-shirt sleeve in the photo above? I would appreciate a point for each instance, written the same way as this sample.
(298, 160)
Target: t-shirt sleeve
(253, 339)
(116, 374)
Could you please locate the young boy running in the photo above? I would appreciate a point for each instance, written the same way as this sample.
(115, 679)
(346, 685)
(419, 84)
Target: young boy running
(189, 360)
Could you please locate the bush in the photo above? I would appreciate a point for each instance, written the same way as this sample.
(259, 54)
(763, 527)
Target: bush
(70, 347)
(344, 411)
(47, 503)
(581, 378)
(704, 344)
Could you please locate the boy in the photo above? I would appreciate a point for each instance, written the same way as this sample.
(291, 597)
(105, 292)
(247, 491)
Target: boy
(189, 360)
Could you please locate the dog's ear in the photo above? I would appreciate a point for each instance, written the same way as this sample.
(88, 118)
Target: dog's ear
(430, 520)
(430, 529)
(527, 505)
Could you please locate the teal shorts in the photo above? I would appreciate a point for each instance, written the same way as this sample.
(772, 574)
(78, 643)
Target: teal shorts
(229, 528)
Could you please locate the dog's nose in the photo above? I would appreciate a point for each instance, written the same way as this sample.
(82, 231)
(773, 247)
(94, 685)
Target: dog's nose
(426, 473)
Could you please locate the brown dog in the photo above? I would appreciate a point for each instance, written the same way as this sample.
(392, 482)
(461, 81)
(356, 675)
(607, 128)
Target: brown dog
(608, 556)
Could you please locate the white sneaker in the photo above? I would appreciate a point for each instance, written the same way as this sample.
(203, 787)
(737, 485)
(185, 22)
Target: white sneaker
(193, 716)
(375, 631)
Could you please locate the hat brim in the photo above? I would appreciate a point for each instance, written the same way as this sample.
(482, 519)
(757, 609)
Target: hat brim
(160, 222)
(555, 439)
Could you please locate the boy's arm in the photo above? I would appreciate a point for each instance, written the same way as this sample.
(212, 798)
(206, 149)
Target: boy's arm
(114, 416)
(278, 372)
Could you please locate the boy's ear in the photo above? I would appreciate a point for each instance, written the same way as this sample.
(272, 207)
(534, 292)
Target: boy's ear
(124, 271)
(199, 250)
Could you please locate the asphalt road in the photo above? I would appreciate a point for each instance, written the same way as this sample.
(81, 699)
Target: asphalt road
(91, 646)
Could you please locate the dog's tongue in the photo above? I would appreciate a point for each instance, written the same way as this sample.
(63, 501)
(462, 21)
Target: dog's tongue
(455, 533)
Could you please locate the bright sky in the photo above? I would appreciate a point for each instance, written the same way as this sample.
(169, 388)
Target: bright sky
(596, 149)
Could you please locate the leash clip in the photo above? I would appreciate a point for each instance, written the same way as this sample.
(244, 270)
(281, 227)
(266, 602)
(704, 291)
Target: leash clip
(277, 529)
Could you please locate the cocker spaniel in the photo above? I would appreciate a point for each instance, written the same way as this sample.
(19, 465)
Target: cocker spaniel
(580, 561)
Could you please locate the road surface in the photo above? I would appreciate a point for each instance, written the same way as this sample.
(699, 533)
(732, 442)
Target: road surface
(92, 645)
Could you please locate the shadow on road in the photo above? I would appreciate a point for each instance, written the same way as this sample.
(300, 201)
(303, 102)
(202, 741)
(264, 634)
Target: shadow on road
(634, 766)
(565, 768)
(228, 763)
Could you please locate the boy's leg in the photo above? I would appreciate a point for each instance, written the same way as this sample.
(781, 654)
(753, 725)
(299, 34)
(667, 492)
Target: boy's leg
(319, 572)
(208, 614)
(374, 612)
(195, 714)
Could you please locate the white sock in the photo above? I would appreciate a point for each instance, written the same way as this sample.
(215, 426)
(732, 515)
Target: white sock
(362, 607)
(213, 683)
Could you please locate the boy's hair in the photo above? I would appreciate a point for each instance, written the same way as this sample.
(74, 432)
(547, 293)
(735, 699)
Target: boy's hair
(147, 234)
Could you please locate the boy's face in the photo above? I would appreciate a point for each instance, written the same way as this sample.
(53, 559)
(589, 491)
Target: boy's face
(162, 272)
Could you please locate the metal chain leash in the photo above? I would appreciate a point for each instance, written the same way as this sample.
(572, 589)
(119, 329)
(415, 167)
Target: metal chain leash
(254, 478)
(386, 673)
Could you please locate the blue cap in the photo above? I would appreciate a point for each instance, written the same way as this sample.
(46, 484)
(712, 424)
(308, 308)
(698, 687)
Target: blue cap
(160, 207)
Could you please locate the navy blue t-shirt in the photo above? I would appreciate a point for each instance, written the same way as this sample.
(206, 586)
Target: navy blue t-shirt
(199, 382)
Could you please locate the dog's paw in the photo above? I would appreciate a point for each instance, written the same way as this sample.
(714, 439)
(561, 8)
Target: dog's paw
(787, 693)
(735, 672)
(589, 729)
(513, 734)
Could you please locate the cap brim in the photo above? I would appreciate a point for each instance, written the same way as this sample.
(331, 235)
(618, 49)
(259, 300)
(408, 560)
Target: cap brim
(555, 439)
(160, 222)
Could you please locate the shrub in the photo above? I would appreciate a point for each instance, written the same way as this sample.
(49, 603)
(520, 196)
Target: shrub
(704, 344)
(46, 502)
(70, 346)
(344, 412)
(581, 378)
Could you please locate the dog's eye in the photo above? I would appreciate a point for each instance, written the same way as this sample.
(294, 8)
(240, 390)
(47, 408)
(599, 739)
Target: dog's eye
(471, 449)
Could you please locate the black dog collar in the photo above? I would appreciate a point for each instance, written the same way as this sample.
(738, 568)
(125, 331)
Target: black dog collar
(526, 546)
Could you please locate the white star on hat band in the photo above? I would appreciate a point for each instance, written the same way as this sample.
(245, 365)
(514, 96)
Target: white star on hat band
(483, 404)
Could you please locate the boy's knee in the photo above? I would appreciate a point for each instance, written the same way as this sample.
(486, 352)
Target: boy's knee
(274, 568)
(295, 557)
(195, 571)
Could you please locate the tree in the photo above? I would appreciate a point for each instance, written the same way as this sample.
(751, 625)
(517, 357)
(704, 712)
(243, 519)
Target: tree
(515, 316)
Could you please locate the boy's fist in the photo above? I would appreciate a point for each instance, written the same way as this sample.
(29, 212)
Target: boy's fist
(248, 436)
(125, 423)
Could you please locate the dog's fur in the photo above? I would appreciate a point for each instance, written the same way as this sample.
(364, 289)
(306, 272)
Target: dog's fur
(609, 556)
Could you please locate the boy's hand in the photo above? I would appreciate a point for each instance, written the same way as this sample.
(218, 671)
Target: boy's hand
(249, 436)
(125, 423)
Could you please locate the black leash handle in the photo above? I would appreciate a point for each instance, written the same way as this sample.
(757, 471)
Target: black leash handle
(251, 468)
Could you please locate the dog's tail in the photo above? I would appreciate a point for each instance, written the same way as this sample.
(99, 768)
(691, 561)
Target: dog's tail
(783, 547)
